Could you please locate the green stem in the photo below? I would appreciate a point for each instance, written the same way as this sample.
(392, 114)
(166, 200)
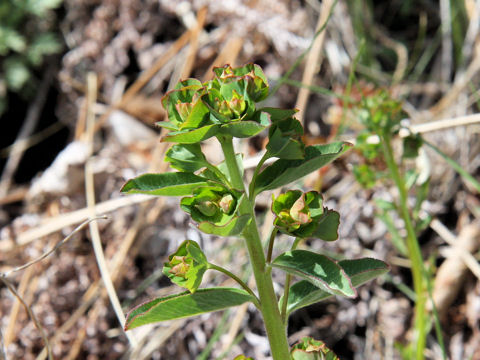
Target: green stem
(413, 247)
(217, 172)
(288, 279)
(271, 241)
(274, 326)
(237, 279)
(251, 188)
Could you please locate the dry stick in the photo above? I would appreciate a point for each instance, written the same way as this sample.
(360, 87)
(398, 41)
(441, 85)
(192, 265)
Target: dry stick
(90, 195)
(14, 196)
(429, 127)
(400, 50)
(3, 354)
(24, 144)
(28, 126)
(72, 218)
(24, 282)
(452, 240)
(145, 77)
(447, 46)
(228, 55)
(450, 274)
(313, 60)
(445, 123)
(60, 243)
(458, 86)
(39, 327)
(192, 50)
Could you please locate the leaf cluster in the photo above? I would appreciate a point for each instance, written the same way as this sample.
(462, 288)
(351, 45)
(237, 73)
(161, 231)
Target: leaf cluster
(25, 40)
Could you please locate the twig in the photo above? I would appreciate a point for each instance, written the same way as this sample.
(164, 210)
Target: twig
(60, 243)
(39, 327)
(3, 354)
(90, 195)
(447, 46)
(73, 218)
(192, 50)
(228, 55)
(444, 124)
(25, 282)
(430, 127)
(452, 240)
(21, 145)
(313, 60)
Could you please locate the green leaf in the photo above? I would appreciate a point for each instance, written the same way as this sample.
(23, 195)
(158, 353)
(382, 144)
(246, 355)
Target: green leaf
(327, 228)
(311, 349)
(43, 44)
(16, 72)
(11, 39)
(283, 171)
(233, 227)
(304, 293)
(41, 7)
(192, 136)
(246, 128)
(185, 305)
(320, 270)
(285, 140)
(278, 114)
(186, 157)
(166, 184)
(411, 146)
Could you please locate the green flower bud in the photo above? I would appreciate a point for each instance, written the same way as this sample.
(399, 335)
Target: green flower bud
(212, 204)
(227, 204)
(297, 211)
(302, 215)
(207, 208)
(186, 266)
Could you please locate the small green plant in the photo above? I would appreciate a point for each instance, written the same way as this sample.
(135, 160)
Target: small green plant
(25, 40)
(382, 117)
(219, 201)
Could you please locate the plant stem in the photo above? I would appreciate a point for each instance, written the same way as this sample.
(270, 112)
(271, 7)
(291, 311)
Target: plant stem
(251, 188)
(288, 278)
(271, 241)
(413, 247)
(236, 278)
(274, 326)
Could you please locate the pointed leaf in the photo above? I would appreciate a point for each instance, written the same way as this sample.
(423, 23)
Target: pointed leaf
(327, 228)
(320, 270)
(285, 139)
(186, 157)
(242, 129)
(284, 171)
(166, 184)
(185, 305)
(277, 114)
(192, 136)
(304, 293)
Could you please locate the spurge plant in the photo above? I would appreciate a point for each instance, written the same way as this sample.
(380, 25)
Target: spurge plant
(218, 200)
